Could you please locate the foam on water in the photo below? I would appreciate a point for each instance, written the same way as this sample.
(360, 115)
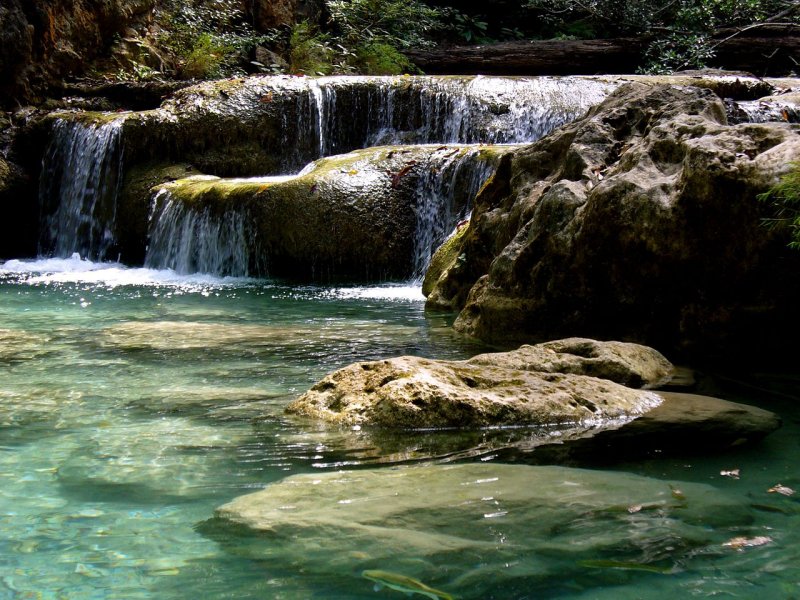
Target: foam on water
(108, 274)
(77, 270)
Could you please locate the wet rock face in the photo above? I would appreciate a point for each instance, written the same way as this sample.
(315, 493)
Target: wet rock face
(639, 221)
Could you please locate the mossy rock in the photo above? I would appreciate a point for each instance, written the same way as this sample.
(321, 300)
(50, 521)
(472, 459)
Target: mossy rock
(445, 259)
(351, 217)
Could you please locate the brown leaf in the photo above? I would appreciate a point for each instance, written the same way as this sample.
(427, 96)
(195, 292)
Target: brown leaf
(739, 543)
(779, 488)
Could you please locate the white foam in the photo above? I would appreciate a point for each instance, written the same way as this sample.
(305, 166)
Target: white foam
(108, 274)
(406, 292)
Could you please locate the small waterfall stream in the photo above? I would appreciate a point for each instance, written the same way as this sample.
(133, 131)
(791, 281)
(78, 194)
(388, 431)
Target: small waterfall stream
(316, 117)
(81, 177)
(187, 240)
(355, 112)
(444, 197)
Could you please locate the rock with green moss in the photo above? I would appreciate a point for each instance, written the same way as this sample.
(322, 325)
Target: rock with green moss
(445, 258)
(363, 216)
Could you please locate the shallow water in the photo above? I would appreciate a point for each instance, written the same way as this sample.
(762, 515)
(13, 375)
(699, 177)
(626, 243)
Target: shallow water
(134, 402)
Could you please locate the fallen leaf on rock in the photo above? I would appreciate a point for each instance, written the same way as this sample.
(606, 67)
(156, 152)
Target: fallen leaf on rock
(781, 489)
(738, 543)
(733, 473)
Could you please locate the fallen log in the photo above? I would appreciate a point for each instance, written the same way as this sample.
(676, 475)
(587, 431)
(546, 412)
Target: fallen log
(772, 50)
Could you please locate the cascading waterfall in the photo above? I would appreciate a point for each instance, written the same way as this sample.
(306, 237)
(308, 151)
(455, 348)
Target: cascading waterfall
(755, 111)
(354, 112)
(445, 191)
(187, 240)
(82, 171)
(80, 181)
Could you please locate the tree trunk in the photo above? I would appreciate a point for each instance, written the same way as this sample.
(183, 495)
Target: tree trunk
(766, 51)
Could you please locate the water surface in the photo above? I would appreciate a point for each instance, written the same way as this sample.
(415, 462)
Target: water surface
(134, 402)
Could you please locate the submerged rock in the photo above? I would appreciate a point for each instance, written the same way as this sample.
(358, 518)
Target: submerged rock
(682, 424)
(433, 522)
(639, 221)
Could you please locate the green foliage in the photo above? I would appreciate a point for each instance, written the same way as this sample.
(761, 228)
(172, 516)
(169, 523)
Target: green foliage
(681, 29)
(365, 36)
(378, 58)
(676, 52)
(206, 38)
(206, 57)
(470, 29)
(398, 23)
(784, 197)
(310, 52)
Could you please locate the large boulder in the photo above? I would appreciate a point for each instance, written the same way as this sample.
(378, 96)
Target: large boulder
(413, 393)
(639, 222)
(535, 385)
(570, 401)
(373, 214)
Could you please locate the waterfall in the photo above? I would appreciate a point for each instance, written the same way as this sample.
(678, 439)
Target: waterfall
(188, 240)
(445, 190)
(357, 112)
(758, 111)
(81, 177)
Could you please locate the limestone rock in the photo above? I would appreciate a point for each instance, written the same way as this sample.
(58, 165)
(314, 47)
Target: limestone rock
(359, 216)
(640, 222)
(631, 365)
(431, 522)
(412, 393)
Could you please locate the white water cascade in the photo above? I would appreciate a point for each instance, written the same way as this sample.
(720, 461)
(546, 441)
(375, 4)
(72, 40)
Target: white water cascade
(83, 168)
(188, 240)
(81, 176)
(355, 112)
(445, 191)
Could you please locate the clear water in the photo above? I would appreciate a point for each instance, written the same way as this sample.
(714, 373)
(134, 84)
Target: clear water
(134, 402)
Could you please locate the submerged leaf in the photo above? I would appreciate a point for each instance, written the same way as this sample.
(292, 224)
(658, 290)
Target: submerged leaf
(779, 488)
(739, 543)
(628, 566)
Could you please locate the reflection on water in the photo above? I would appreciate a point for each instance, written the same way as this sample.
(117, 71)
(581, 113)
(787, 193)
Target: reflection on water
(134, 402)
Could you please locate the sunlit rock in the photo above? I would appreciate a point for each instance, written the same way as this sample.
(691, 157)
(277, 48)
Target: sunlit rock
(631, 365)
(503, 389)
